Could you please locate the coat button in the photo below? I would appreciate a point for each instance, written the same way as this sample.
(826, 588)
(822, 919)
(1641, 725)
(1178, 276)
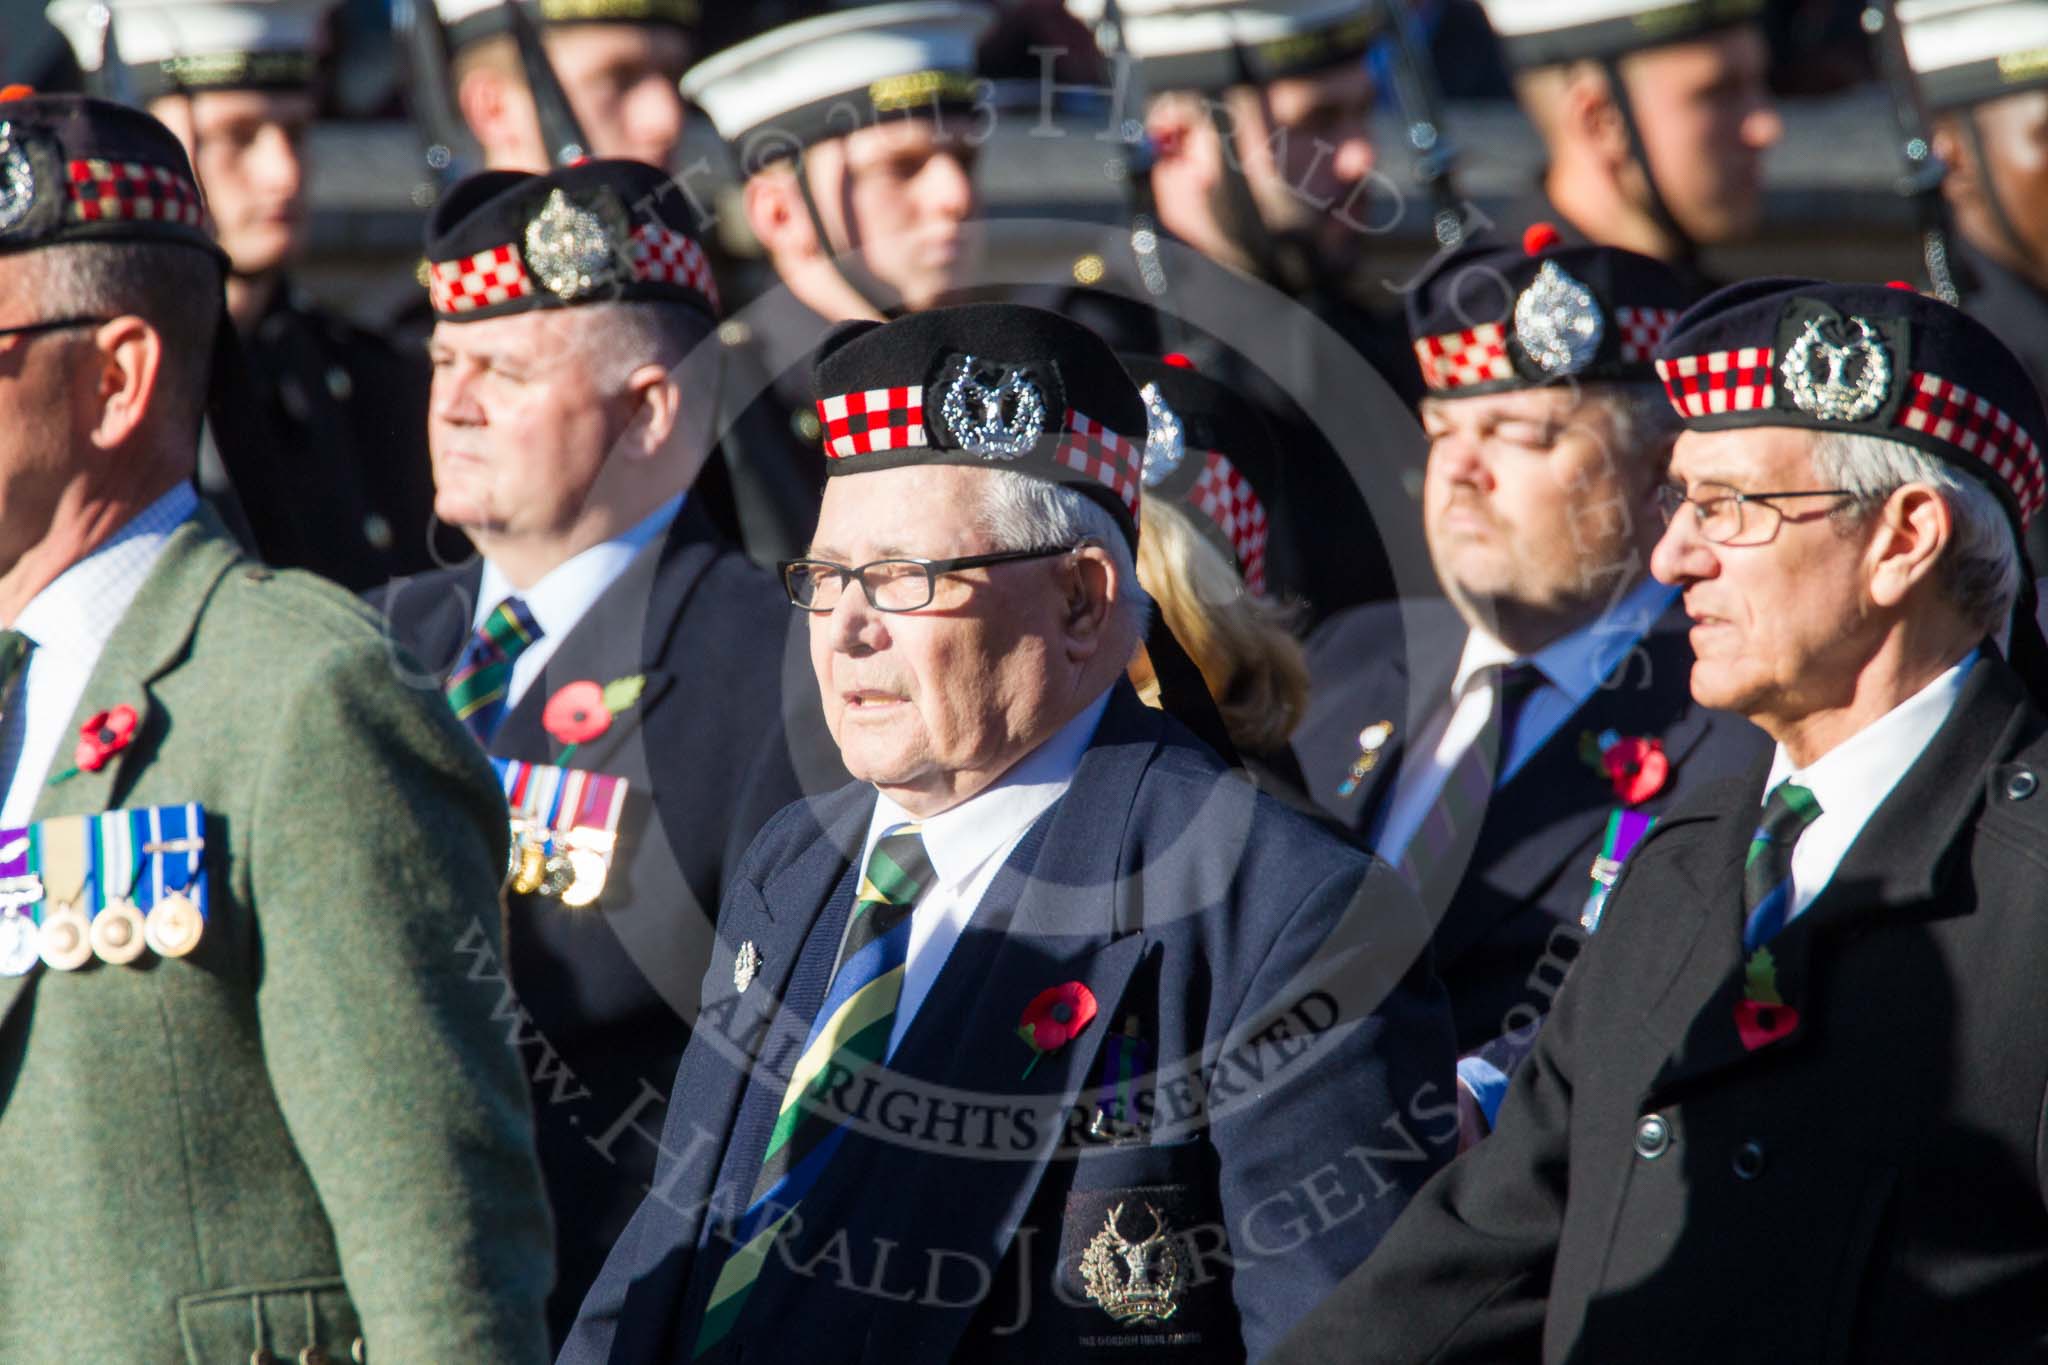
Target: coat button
(355, 1351)
(2021, 785)
(312, 1355)
(1653, 1137)
(1749, 1161)
(261, 1356)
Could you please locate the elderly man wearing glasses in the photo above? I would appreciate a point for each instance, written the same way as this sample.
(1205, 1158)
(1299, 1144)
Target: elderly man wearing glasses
(1507, 747)
(1049, 1036)
(1792, 1098)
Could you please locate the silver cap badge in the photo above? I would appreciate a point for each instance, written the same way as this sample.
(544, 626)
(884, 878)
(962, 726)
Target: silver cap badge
(997, 421)
(1166, 437)
(575, 249)
(17, 179)
(1133, 1281)
(1558, 322)
(1834, 396)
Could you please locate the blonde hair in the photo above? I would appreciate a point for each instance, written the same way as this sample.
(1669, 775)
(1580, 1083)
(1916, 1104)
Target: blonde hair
(1248, 656)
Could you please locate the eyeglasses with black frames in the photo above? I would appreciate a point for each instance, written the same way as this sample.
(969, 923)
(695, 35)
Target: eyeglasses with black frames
(29, 329)
(890, 584)
(1729, 516)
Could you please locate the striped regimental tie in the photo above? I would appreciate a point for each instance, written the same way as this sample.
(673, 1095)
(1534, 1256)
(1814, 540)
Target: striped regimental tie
(850, 1034)
(476, 689)
(1435, 859)
(1767, 891)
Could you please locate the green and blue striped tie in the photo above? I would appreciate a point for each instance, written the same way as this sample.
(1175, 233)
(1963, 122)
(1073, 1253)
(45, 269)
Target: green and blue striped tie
(850, 1034)
(477, 687)
(1767, 889)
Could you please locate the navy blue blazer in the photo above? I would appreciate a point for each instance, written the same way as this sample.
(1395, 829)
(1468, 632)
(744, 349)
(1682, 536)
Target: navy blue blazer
(1303, 1087)
(1512, 926)
(605, 993)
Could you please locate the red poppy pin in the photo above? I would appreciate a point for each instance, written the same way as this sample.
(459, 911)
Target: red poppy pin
(581, 711)
(1636, 765)
(1762, 1017)
(99, 739)
(1054, 1018)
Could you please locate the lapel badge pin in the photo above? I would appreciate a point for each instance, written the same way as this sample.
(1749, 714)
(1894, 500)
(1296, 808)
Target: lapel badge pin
(1371, 740)
(1133, 1282)
(746, 965)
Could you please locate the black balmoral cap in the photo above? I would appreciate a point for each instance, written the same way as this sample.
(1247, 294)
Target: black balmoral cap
(1208, 448)
(1492, 318)
(1874, 359)
(990, 386)
(77, 169)
(595, 232)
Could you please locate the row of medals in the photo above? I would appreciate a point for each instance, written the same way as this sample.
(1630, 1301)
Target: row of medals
(68, 939)
(567, 865)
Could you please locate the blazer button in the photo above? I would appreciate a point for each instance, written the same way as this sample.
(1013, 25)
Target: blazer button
(312, 1355)
(2021, 785)
(262, 1356)
(355, 1351)
(1749, 1161)
(1653, 1137)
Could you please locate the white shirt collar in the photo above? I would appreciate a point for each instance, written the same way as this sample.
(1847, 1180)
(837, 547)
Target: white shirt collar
(1576, 663)
(76, 612)
(562, 596)
(961, 840)
(1852, 779)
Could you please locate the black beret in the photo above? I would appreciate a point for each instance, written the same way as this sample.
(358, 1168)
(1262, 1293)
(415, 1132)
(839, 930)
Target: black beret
(988, 385)
(595, 232)
(1873, 359)
(75, 169)
(1209, 448)
(1492, 318)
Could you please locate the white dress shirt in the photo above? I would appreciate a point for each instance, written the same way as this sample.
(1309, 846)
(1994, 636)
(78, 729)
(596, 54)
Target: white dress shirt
(968, 846)
(1851, 780)
(565, 593)
(70, 622)
(1572, 668)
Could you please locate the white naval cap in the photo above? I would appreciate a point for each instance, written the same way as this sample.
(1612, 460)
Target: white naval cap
(471, 21)
(1969, 51)
(1535, 33)
(1211, 45)
(820, 78)
(192, 45)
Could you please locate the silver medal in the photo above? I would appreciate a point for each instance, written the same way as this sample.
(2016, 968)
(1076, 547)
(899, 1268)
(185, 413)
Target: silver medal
(1558, 322)
(1834, 396)
(18, 948)
(1166, 437)
(998, 421)
(17, 179)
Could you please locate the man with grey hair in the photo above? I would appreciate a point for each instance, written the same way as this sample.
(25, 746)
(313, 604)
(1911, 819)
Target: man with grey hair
(239, 856)
(571, 412)
(1800, 1072)
(1048, 1035)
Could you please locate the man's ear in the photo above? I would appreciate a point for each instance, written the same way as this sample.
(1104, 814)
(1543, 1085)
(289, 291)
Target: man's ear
(128, 355)
(486, 101)
(1182, 137)
(1090, 584)
(1914, 527)
(1962, 183)
(1588, 114)
(776, 215)
(657, 410)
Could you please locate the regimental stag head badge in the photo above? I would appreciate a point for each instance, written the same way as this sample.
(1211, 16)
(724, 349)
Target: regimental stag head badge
(996, 412)
(1558, 322)
(1853, 376)
(577, 249)
(1133, 1282)
(17, 179)
(1166, 437)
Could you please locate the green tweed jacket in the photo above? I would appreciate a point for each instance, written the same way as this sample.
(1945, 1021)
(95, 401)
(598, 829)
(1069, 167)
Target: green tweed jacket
(309, 1133)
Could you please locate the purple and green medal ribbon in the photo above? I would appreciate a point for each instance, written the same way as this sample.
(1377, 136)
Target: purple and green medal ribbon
(1625, 829)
